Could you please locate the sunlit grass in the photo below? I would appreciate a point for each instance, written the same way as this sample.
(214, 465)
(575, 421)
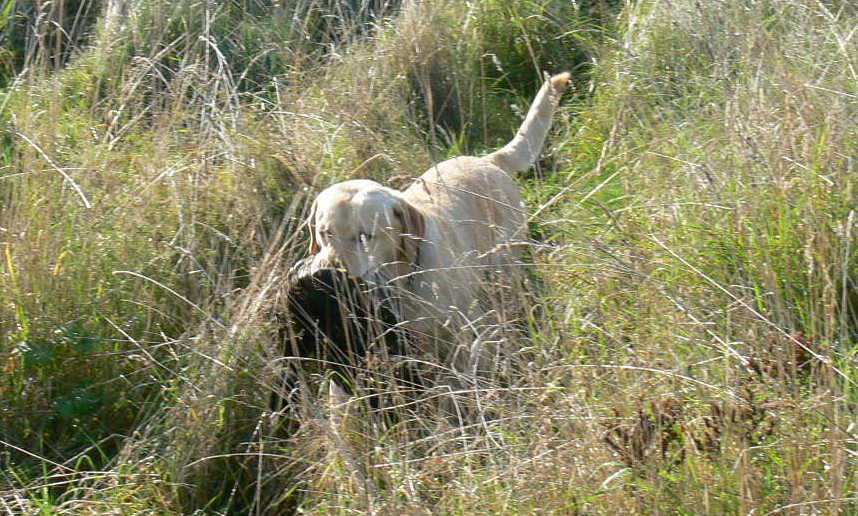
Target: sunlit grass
(688, 343)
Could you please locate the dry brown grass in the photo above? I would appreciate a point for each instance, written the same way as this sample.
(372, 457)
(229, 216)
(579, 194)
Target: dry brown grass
(688, 347)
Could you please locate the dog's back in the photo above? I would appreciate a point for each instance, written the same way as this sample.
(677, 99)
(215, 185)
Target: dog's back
(478, 196)
(475, 212)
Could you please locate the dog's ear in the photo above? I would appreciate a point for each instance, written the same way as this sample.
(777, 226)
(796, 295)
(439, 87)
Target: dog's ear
(413, 230)
(311, 225)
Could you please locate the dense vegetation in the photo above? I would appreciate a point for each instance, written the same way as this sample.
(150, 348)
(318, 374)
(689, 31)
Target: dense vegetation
(691, 347)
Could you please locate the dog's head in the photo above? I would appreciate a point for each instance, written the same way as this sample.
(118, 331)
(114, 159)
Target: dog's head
(338, 317)
(335, 322)
(368, 229)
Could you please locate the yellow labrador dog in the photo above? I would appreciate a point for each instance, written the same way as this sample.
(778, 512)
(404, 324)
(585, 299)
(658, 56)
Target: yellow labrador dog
(434, 241)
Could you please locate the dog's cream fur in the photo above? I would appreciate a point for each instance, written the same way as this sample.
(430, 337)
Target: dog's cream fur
(435, 240)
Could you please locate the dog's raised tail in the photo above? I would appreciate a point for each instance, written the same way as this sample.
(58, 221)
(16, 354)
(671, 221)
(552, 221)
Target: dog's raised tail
(523, 150)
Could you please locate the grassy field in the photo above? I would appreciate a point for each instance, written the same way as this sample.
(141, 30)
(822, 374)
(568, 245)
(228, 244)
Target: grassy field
(691, 334)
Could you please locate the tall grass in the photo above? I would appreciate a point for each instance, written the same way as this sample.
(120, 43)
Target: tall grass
(719, 148)
(689, 341)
